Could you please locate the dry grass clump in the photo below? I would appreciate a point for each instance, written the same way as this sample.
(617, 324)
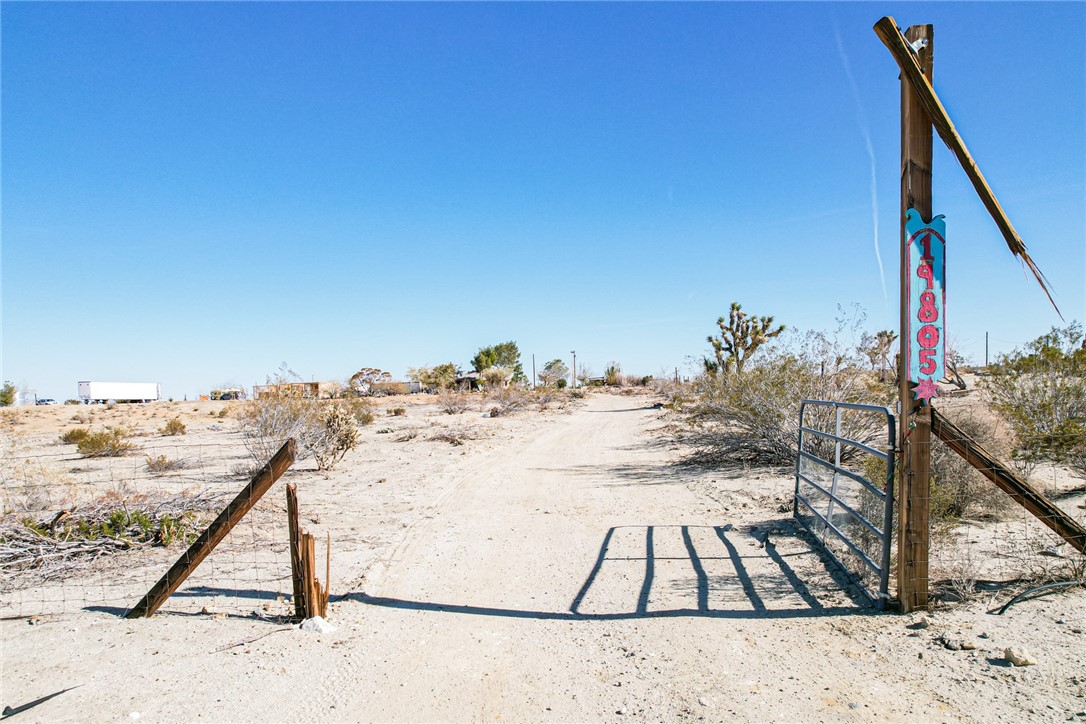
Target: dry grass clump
(160, 464)
(173, 426)
(111, 442)
(453, 403)
(455, 435)
(396, 411)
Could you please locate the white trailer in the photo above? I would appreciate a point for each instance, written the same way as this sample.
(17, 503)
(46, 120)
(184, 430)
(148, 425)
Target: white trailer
(91, 392)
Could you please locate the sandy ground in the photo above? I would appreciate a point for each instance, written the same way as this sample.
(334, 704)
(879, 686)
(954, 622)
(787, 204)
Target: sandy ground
(558, 567)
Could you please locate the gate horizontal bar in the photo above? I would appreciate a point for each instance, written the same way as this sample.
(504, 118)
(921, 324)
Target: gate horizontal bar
(843, 504)
(847, 441)
(848, 474)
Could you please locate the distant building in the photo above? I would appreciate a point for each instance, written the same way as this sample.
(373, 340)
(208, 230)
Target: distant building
(308, 390)
(228, 393)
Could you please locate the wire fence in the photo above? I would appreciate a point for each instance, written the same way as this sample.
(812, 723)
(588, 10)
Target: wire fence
(990, 542)
(81, 533)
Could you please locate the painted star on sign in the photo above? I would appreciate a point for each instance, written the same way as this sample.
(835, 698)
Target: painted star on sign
(925, 390)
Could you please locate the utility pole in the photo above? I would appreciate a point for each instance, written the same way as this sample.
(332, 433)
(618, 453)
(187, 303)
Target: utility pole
(914, 420)
(533, 371)
(574, 373)
(985, 349)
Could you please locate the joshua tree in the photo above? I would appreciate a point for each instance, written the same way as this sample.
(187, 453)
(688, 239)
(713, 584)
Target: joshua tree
(740, 335)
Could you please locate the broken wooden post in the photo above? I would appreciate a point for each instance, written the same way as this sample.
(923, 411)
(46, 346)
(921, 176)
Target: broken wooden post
(919, 79)
(310, 598)
(294, 528)
(223, 524)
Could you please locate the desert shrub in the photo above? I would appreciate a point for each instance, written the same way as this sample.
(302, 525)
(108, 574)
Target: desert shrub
(340, 430)
(957, 488)
(504, 401)
(548, 397)
(173, 426)
(111, 442)
(74, 436)
(1041, 392)
(320, 428)
(752, 417)
(358, 408)
(73, 402)
(612, 374)
(396, 411)
(159, 464)
(451, 402)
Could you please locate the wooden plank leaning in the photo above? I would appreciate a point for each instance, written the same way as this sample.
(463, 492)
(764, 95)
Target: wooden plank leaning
(1022, 492)
(888, 32)
(227, 519)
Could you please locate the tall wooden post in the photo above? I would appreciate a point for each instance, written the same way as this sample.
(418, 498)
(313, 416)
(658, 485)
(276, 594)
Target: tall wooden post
(915, 419)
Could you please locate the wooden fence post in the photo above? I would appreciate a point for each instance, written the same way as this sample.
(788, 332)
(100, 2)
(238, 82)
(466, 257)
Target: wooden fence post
(915, 419)
(227, 519)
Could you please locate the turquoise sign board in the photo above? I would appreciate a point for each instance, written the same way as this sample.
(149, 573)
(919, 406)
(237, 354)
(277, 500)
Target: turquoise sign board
(925, 339)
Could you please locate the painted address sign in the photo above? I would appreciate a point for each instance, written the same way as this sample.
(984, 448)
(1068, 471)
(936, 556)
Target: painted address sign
(926, 336)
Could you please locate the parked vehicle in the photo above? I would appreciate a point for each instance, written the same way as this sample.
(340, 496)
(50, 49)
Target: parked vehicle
(46, 401)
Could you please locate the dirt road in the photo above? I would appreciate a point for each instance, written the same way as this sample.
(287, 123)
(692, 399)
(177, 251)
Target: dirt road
(564, 571)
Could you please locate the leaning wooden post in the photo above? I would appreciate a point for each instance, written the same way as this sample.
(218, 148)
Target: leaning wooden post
(915, 419)
(223, 524)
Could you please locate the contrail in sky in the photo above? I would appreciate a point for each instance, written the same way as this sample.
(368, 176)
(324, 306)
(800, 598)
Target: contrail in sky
(861, 120)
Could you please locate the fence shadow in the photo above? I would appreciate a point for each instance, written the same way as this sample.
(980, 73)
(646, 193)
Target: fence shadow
(724, 572)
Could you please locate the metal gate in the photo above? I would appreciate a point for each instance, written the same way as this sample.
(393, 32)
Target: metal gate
(837, 497)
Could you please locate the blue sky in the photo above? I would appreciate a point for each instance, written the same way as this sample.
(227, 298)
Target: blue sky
(194, 193)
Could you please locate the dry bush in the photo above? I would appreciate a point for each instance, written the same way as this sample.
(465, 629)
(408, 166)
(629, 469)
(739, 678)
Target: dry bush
(323, 430)
(455, 436)
(160, 464)
(957, 488)
(340, 435)
(73, 436)
(548, 397)
(396, 411)
(359, 408)
(453, 403)
(111, 442)
(752, 417)
(505, 401)
(174, 426)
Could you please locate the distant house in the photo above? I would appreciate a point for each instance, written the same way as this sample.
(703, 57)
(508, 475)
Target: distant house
(470, 381)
